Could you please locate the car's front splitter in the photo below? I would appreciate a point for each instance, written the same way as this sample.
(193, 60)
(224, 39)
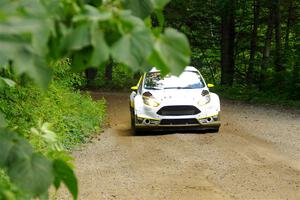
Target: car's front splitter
(211, 126)
(205, 123)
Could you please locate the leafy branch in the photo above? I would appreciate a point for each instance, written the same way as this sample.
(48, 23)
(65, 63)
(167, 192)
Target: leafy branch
(33, 33)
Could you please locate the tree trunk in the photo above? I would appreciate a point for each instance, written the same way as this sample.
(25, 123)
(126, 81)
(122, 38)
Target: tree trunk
(227, 43)
(288, 26)
(295, 90)
(253, 45)
(90, 75)
(266, 51)
(109, 70)
(278, 44)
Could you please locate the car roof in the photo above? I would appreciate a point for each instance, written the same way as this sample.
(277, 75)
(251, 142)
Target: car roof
(187, 68)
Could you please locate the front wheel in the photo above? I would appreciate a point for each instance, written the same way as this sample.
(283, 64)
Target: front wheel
(135, 131)
(132, 117)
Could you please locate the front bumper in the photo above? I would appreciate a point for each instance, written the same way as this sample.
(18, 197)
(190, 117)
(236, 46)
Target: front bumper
(203, 123)
(147, 117)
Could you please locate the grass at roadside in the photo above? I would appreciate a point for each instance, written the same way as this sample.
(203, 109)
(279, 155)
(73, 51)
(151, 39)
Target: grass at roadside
(256, 96)
(73, 116)
(53, 121)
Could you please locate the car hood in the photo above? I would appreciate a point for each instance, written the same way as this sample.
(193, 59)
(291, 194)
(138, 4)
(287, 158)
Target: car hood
(177, 96)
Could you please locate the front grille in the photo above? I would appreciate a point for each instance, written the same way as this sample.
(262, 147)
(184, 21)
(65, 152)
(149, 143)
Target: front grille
(178, 121)
(178, 110)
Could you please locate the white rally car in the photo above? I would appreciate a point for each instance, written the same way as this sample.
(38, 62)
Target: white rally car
(180, 102)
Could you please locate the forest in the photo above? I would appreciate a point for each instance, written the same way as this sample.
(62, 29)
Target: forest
(53, 52)
(251, 46)
(248, 49)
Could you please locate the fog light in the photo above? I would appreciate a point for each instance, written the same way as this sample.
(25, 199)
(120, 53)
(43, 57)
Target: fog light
(209, 119)
(147, 121)
(139, 120)
(216, 118)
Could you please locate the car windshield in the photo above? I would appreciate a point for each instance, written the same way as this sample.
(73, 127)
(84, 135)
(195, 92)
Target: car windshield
(186, 80)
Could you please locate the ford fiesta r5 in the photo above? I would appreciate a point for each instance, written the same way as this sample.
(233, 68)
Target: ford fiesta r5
(174, 102)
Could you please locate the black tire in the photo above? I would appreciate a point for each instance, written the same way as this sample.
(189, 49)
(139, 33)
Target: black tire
(132, 118)
(135, 131)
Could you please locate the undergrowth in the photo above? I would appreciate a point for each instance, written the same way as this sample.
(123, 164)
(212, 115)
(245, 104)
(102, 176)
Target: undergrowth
(122, 79)
(61, 109)
(254, 95)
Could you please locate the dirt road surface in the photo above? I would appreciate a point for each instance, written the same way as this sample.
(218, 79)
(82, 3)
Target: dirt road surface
(256, 155)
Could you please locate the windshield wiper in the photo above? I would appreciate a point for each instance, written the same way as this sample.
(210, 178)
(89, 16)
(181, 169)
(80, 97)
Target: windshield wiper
(152, 88)
(178, 88)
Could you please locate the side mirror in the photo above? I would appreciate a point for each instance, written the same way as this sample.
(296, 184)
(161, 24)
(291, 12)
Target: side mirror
(209, 85)
(134, 88)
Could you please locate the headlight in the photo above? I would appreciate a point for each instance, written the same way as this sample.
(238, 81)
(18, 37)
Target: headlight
(204, 100)
(150, 101)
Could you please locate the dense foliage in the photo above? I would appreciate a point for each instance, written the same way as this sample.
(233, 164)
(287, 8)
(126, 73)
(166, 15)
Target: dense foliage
(121, 78)
(249, 49)
(89, 33)
(53, 121)
(72, 115)
(252, 46)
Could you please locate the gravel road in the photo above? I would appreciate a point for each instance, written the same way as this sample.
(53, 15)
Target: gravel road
(256, 155)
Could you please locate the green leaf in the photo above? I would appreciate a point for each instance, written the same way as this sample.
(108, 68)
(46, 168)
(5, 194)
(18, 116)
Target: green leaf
(135, 46)
(95, 3)
(2, 122)
(81, 59)
(159, 4)
(7, 194)
(171, 52)
(100, 48)
(92, 14)
(33, 174)
(24, 35)
(139, 8)
(44, 196)
(157, 30)
(6, 82)
(77, 38)
(12, 148)
(30, 171)
(39, 71)
(44, 131)
(87, 45)
(57, 182)
(26, 61)
(143, 8)
(65, 174)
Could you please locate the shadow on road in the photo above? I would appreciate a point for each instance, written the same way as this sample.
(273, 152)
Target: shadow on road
(129, 132)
